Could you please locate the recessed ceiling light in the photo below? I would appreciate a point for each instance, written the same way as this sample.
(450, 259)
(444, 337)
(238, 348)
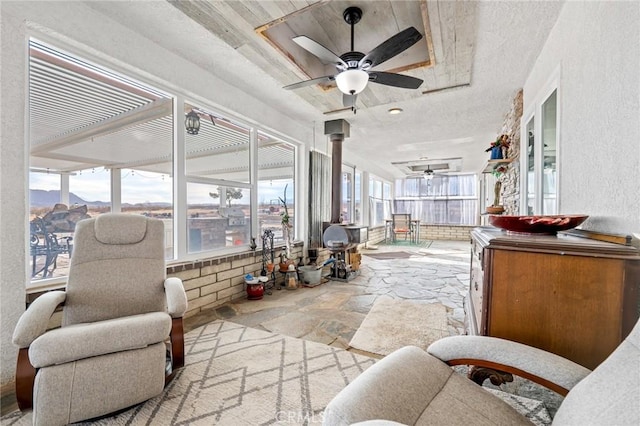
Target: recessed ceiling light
(395, 111)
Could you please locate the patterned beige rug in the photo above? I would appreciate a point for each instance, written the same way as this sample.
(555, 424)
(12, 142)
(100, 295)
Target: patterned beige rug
(236, 375)
(394, 323)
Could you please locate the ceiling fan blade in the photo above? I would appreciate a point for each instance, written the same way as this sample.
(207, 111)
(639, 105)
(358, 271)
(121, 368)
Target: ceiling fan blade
(392, 47)
(349, 101)
(324, 54)
(319, 80)
(396, 80)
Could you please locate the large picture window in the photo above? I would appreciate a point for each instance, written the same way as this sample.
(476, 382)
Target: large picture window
(443, 199)
(99, 142)
(102, 142)
(218, 176)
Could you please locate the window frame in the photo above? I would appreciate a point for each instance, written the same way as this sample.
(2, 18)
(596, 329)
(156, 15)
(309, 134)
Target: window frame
(178, 169)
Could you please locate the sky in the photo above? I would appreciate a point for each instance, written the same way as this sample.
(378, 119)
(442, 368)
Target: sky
(147, 187)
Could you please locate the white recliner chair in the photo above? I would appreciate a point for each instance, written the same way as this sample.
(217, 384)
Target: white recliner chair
(413, 387)
(121, 334)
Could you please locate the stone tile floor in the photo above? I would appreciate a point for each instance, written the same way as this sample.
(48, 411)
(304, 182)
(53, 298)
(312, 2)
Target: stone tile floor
(331, 313)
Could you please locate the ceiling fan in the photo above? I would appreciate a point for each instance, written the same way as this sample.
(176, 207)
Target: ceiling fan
(355, 68)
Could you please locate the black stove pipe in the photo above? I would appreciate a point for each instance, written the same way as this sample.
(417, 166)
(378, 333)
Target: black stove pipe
(336, 176)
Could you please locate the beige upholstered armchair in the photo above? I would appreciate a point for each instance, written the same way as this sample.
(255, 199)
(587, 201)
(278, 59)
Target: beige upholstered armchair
(121, 334)
(413, 387)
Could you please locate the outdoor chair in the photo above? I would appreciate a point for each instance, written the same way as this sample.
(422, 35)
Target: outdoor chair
(413, 387)
(401, 225)
(121, 336)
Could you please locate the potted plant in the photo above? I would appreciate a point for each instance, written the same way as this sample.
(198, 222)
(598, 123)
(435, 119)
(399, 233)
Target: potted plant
(286, 258)
(496, 207)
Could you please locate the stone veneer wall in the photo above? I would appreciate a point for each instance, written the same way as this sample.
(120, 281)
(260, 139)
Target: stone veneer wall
(510, 192)
(210, 283)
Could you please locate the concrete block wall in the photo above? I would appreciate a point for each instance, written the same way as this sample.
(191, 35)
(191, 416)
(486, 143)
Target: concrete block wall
(376, 234)
(445, 232)
(210, 283)
(429, 232)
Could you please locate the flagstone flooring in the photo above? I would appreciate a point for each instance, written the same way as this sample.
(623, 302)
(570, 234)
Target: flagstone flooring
(331, 313)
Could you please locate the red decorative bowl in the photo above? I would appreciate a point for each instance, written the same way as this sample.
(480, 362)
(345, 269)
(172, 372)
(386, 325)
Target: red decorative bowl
(542, 224)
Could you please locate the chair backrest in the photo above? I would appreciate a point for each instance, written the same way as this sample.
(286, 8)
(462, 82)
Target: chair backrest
(401, 221)
(611, 393)
(117, 268)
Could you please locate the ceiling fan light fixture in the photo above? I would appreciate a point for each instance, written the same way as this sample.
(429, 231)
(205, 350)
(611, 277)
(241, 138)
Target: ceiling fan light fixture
(352, 81)
(192, 123)
(428, 174)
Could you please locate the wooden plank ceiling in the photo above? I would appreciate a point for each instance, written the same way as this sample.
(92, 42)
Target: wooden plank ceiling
(262, 32)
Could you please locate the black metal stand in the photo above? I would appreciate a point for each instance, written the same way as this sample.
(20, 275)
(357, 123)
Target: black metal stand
(340, 270)
(268, 256)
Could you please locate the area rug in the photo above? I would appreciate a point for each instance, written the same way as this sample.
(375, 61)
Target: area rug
(394, 323)
(532, 409)
(235, 375)
(390, 255)
(405, 243)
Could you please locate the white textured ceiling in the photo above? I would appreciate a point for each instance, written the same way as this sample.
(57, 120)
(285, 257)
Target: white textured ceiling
(458, 122)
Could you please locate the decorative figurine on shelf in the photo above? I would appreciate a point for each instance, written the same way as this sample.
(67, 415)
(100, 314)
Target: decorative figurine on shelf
(496, 207)
(499, 148)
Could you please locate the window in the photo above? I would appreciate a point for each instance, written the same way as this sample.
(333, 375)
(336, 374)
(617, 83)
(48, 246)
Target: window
(91, 187)
(358, 198)
(379, 202)
(346, 206)
(95, 137)
(276, 171)
(539, 140)
(444, 199)
(218, 182)
(108, 145)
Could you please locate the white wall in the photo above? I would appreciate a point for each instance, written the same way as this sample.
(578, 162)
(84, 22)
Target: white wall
(88, 33)
(13, 187)
(597, 46)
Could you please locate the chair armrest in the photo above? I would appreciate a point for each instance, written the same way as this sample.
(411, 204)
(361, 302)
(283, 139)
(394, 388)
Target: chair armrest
(535, 364)
(176, 297)
(33, 322)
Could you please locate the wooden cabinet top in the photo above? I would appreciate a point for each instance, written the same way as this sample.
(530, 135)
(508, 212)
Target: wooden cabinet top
(563, 244)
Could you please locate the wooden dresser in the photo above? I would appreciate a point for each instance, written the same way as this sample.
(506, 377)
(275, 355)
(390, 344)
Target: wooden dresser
(576, 297)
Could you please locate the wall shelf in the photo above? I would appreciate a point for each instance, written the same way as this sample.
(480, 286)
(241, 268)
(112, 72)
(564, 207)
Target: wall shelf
(488, 168)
